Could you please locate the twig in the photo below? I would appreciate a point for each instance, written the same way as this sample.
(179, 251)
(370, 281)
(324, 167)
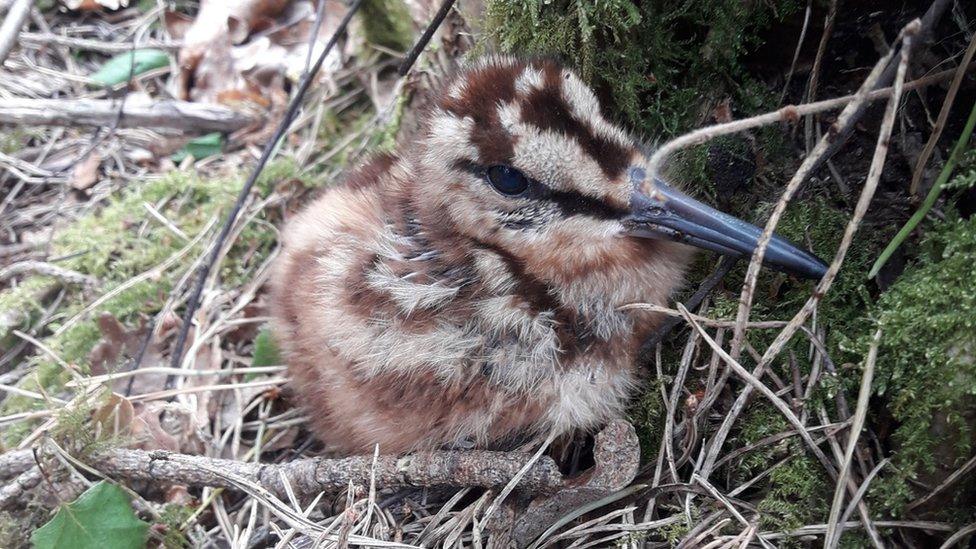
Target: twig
(46, 269)
(172, 114)
(870, 185)
(752, 275)
(269, 149)
(414, 53)
(926, 25)
(313, 475)
(15, 19)
(815, 69)
(950, 99)
(790, 113)
(860, 414)
(724, 266)
(819, 529)
(859, 495)
(46, 39)
(517, 478)
(796, 52)
(930, 198)
(767, 392)
(956, 475)
(959, 536)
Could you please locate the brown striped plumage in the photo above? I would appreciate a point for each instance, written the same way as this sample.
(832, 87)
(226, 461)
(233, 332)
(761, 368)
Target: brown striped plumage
(418, 307)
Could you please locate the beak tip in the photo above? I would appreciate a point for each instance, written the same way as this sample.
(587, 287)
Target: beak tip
(815, 270)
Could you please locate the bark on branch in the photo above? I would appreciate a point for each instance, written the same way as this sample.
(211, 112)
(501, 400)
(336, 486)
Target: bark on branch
(314, 475)
(179, 115)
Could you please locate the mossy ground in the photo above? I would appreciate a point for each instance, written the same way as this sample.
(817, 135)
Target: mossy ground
(118, 242)
(662, 66)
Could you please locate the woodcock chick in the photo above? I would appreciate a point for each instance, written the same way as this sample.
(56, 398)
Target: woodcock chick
(466, 291)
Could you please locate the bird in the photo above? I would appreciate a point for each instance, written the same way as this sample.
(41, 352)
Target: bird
(466, 290)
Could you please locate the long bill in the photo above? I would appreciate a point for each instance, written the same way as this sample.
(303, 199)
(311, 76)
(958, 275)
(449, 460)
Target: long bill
(670, 214)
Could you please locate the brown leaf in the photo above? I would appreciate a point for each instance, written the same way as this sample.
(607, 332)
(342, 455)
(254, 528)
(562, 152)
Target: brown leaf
(114, 418)
(166, 426)
(214, 22)
(118, 345)
(242, 53)
(723, 111)
(176, 24)
(85, 173)
(94, 5)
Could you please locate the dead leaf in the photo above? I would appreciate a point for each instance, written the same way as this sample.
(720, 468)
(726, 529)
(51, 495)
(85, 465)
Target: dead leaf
(118, 345)
(243, 54)
(176, 24)
(114, 418)
(723, 111)
(94, 5)
(85, 173)
(214, 23)
(167, 426)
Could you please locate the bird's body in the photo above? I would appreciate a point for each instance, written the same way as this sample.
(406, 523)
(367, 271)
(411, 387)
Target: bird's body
(467, 290)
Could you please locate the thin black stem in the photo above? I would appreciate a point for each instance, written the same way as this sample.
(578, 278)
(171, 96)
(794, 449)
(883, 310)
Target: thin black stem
(425, 38)
(204, 271)
(646, 348)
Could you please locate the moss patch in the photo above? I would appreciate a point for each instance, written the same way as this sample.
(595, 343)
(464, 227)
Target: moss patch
(387, 23)
(926, 369)
(651, 59)
(121, 241)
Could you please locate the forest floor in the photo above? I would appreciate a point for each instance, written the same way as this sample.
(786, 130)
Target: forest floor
(129, 131)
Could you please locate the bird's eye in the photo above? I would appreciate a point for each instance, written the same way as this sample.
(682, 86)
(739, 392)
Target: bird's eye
(507, 180)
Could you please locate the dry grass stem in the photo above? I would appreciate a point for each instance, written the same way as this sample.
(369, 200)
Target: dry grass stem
(950, 99)
(832, 538)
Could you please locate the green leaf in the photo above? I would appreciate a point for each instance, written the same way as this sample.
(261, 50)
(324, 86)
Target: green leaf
(266, 352)
(122, 67)
(201, 147)
(101, 518)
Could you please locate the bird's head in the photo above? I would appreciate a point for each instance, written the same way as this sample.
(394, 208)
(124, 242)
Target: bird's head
(518, 155)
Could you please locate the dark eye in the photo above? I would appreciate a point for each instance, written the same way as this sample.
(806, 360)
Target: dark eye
(507, 180)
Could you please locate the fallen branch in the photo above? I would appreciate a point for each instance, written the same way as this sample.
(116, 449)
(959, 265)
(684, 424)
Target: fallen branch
(313, 475)
(47, 39)
(46, 269)
(15, 462)
(178, 115)
(14, 490)
(15, 19)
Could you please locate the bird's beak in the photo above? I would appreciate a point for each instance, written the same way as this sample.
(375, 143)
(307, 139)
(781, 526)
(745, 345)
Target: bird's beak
(663, 212)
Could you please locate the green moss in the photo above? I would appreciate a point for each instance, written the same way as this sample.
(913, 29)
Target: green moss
(926, 368)
(172, 517)
(759, 422)
(652, 59)
(799, 493)
(647, 415)
(387, 23)
(20, 305)
(121, 241)
(674, 533)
